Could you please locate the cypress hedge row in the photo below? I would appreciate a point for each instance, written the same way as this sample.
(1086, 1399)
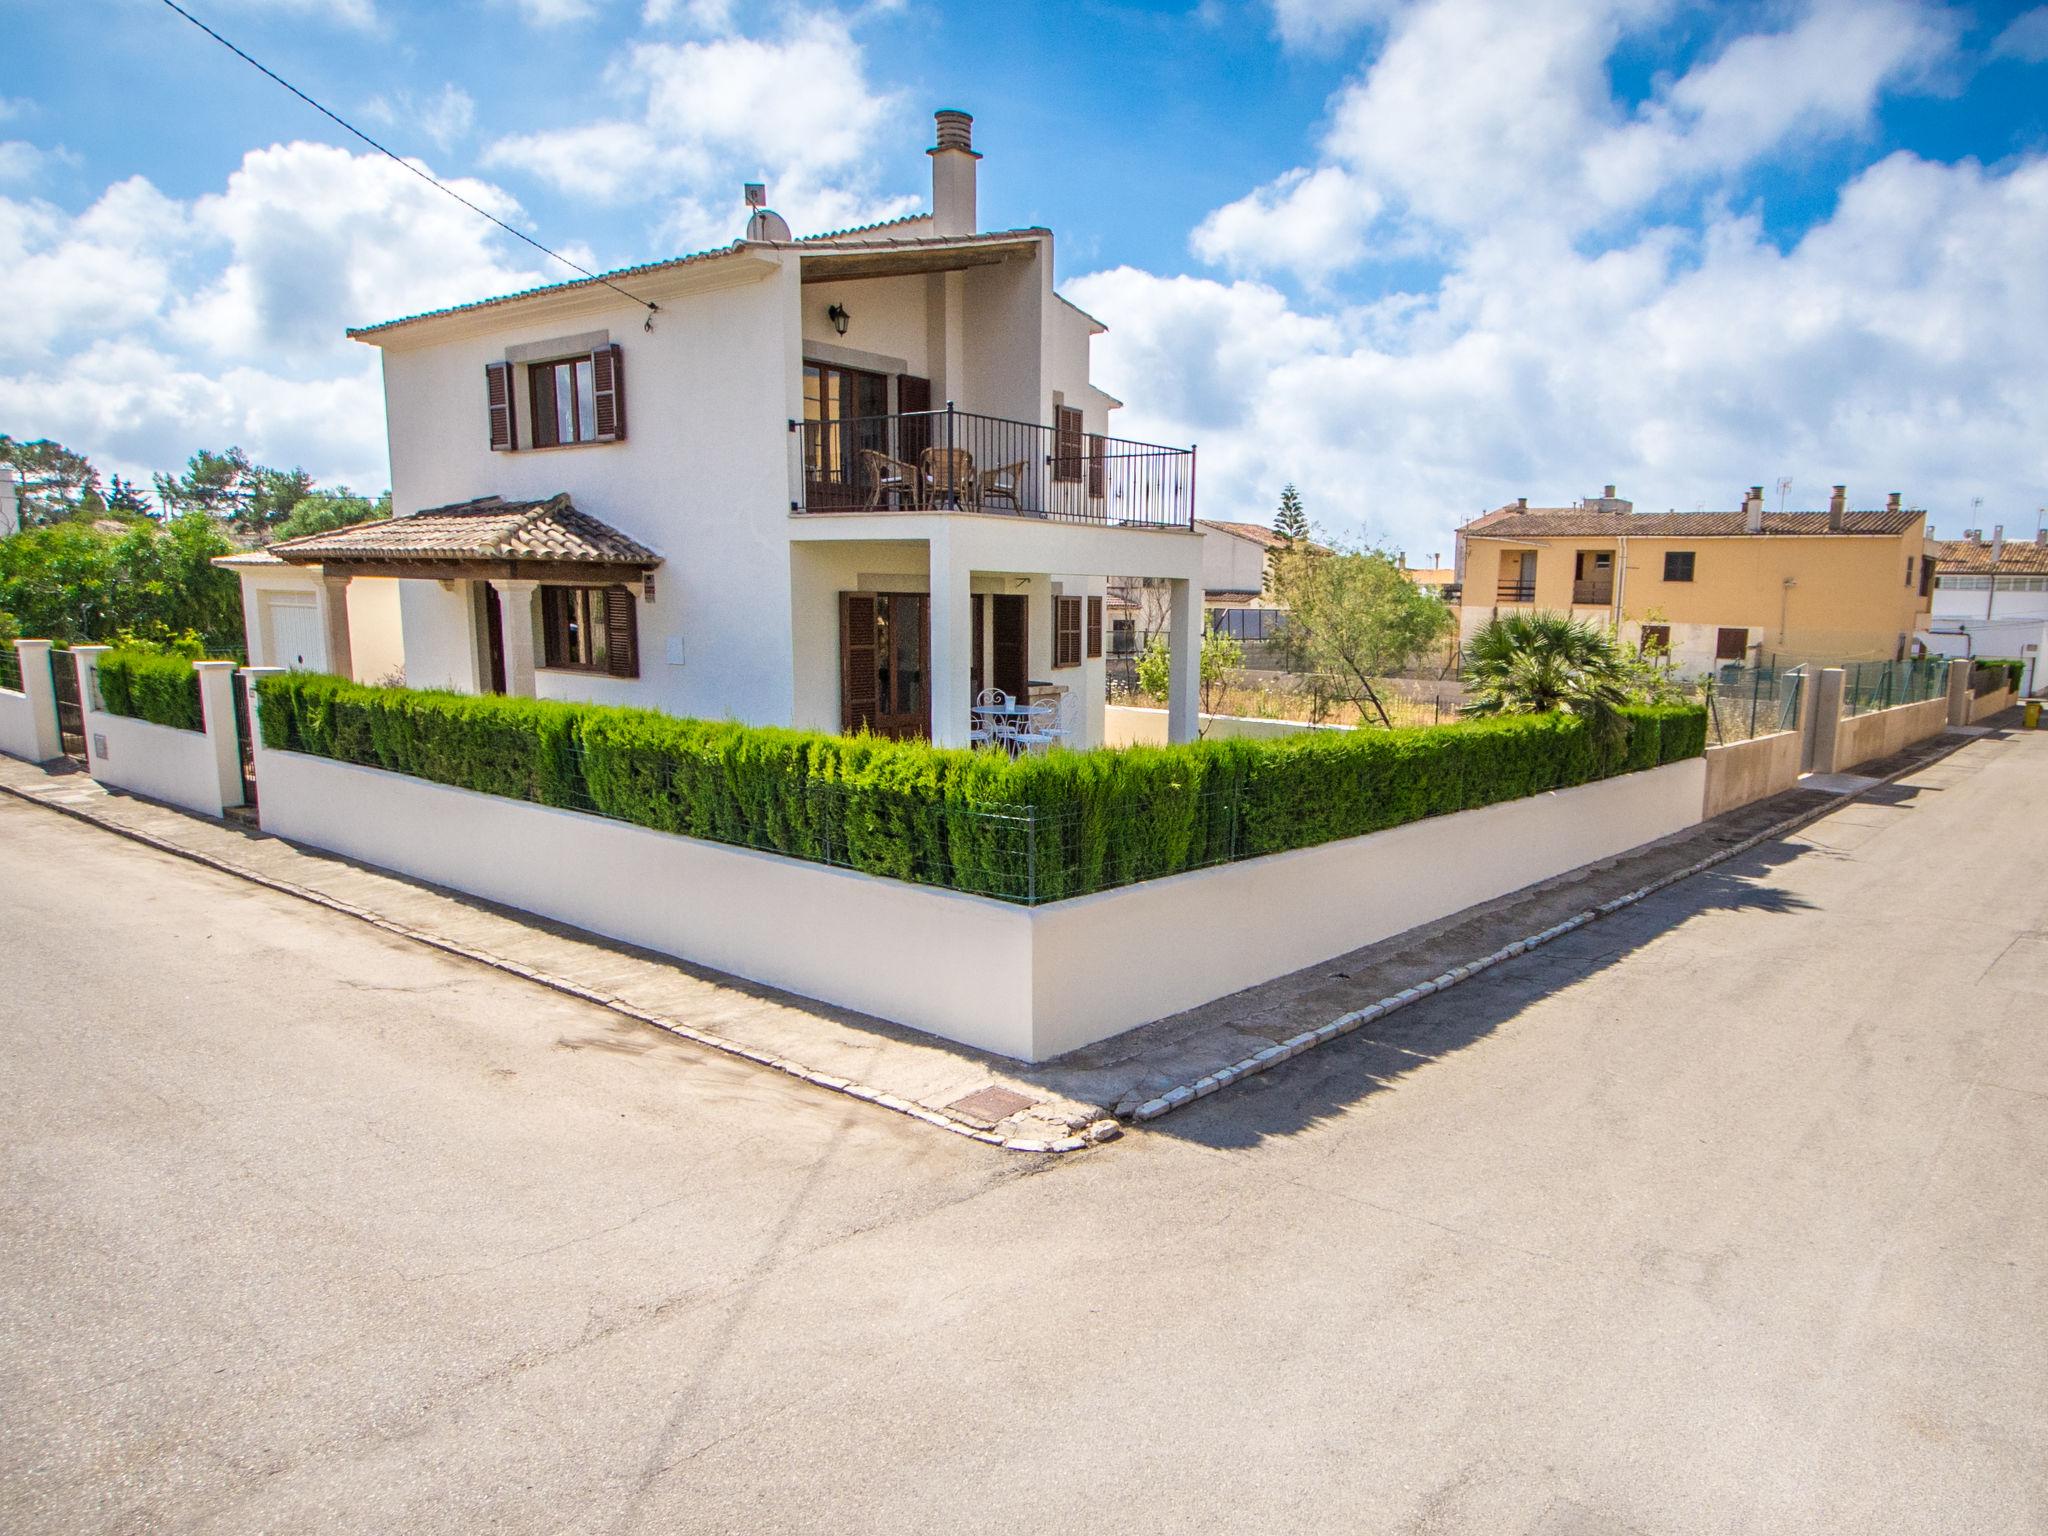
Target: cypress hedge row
(1034, 829)
(163, 690)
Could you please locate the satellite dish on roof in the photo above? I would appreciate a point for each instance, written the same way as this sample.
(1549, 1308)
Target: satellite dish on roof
(766, 223)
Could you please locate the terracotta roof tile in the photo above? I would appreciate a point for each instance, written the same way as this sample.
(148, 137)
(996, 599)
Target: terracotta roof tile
(1962, 558)
(1572, 522)
(489, 528)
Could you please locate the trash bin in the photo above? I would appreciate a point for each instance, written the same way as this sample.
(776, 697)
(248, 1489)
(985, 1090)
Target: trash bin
(2030, 717)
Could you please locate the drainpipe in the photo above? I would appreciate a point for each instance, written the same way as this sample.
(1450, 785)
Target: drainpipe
(1620, 579)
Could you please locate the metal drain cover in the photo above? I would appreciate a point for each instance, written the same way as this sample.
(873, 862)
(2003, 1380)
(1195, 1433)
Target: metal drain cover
(990, 1104)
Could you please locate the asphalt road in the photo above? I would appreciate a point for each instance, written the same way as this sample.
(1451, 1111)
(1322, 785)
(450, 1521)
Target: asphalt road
(1729, 1214)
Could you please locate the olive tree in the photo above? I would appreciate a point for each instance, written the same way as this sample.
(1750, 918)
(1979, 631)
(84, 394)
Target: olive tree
(1353, 616)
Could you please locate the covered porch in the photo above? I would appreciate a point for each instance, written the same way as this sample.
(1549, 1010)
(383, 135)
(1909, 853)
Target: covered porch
(492, 593)
(900, 621)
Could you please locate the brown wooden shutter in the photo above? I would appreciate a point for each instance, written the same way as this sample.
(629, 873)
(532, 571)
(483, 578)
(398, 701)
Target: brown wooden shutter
(1066, 448)
(1066, 631)
(858, 703)
(608, 386)
(1094, 626)
(540, 386)
(498, 395)
(1095, 465)
(913, 434)
(621, 633)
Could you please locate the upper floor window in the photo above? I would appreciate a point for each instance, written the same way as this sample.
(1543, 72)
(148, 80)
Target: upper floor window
(564, 402)
(580, 399)
(1678, 564)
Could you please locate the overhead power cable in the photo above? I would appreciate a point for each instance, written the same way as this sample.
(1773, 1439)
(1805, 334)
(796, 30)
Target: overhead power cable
(397, 159)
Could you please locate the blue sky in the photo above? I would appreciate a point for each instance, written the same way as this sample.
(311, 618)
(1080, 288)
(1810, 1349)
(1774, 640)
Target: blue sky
(1419, 257)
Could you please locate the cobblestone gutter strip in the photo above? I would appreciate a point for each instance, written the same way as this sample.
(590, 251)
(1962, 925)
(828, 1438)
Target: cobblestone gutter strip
(1309, 1039)
(1100, 1131)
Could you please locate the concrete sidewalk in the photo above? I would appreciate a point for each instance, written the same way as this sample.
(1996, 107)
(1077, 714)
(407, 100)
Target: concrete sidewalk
(1057, 1105)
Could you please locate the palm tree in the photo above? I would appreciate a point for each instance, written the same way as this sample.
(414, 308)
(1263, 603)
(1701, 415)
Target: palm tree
(1537, 663)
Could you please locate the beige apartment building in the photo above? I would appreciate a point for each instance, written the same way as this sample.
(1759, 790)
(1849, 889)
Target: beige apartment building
(1710, 588)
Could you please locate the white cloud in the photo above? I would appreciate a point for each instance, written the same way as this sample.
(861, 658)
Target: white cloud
(700, 117)
(554, 13)
(12, 107)
(2025, 38)
(1480, 112)
(1895, 347)
(145, 327)
(1313, 23)
(444, 117)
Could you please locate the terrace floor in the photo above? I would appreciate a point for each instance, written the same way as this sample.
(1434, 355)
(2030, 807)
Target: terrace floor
(1035, 1104)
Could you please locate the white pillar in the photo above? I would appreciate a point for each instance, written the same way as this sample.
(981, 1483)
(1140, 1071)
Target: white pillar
(1823, 741)
(1184, 648)
(252, 676)
(952, 643)
(217, 715)
(41, 692)
(334, 624)
(1958, 691)
(87, 659)
(515, 620)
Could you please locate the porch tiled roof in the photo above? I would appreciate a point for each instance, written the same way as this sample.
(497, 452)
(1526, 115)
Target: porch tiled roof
(489, 528)
(1961, 557)
(1571, 522)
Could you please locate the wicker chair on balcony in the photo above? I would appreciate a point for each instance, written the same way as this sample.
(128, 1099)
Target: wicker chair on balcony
(887, 477)
(946, 475)
(1001, 484)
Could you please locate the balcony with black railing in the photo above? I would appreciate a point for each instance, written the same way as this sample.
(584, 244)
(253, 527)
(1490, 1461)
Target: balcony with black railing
(959, 461)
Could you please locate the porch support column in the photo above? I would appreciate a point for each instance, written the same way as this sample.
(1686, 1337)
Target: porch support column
(952, 642)
(1184, 651)
(515, 618)
(334, 623)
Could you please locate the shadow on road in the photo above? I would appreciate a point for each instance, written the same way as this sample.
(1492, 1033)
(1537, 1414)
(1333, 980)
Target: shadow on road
(1345, 1074)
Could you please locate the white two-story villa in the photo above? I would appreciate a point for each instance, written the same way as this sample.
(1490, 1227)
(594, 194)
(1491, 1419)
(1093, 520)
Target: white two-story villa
(842, 482)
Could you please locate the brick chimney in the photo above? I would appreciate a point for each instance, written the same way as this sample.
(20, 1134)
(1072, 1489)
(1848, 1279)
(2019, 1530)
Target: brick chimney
(1607, 501)
(1891, 502)
(953, 158)
(1521, 503)
(1838, 507)
(1753, 510)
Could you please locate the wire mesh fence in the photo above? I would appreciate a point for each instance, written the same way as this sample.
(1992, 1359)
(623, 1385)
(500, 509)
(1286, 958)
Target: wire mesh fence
(1744, 703)
(10, 668)
(1868, 686)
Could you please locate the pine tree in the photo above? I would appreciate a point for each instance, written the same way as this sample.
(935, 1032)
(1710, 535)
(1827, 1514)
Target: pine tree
(1291, 523)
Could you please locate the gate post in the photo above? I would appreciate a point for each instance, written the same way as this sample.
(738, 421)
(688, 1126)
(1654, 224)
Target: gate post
(40, 688)
(1824, 722)
(217, 712)
(87, 659)
(1958, 690)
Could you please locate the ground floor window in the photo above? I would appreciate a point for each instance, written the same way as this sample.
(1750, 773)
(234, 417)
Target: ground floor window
(884, 654)
(1656, 640)
(1731, 644)
(589, 629)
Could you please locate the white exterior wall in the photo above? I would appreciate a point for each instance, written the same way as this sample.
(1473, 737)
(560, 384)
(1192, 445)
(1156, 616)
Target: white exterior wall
(197, 770)
(2025, 637)
(1029, 983)
(1231, 563)
(375, 624)
(703, 479)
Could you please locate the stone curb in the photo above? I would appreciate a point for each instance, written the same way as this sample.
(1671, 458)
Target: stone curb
(1309, 1039)
(1099, 1131)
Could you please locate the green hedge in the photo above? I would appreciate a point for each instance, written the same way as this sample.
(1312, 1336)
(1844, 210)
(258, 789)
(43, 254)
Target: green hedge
(161, 689)
(1035, 829)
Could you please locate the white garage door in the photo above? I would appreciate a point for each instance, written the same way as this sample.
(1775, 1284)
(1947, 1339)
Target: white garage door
(295, 636)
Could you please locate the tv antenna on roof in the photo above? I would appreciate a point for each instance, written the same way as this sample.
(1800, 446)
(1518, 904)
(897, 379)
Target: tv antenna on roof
(1784, 485)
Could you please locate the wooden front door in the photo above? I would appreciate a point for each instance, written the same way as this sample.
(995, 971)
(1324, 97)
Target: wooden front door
(885, 644)
(1011, 647)
(494, 639)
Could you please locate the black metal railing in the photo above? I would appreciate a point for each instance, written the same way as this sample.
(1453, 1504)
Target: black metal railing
(1516, 592)
(10, 667)
(952, 460)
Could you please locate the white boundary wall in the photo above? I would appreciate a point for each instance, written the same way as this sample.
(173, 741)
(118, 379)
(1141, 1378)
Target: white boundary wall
(18, 735)
(1022, 982)
(197, 770)
(1105, 962)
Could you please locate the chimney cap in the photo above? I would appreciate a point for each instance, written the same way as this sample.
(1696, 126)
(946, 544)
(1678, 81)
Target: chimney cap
(1522, 502)
(955, 130)
(1607, 492)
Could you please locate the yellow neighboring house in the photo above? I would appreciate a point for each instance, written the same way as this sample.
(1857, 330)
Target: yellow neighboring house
(1710, 587)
